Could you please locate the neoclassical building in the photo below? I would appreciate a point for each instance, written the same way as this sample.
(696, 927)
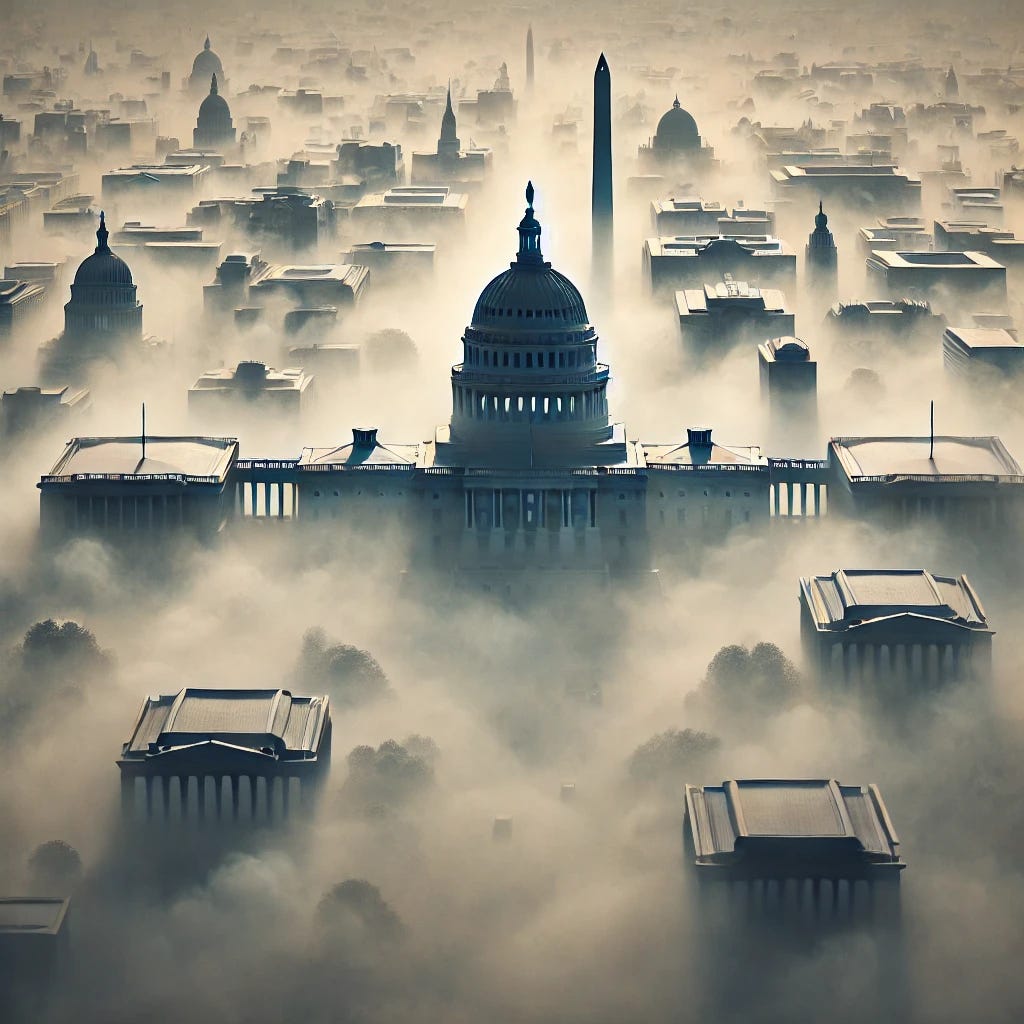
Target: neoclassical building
(206, 63)
(214, 128)
(451, 163)
(102, 317)
(676, 140)
(531, 475)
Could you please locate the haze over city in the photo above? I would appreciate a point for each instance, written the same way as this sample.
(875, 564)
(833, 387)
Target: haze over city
(511, 513)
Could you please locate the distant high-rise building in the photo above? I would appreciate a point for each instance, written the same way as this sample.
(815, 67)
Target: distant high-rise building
(214, 127)
(821, 257)
(602, 213)
(952, 85)
(529, 59)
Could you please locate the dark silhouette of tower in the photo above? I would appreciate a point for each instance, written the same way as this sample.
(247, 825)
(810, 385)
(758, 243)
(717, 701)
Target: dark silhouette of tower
(448, 145)
(529, 59)
(821, 257)
(602, 232)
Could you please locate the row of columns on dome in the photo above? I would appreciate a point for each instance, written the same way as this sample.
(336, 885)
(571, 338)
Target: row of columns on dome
(483, 405)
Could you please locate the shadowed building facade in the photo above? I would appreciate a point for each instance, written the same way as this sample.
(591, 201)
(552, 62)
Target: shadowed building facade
(120, 487)
(805, 851)
(821, 257)
(889, 632)
(970, 483)
(250, 755)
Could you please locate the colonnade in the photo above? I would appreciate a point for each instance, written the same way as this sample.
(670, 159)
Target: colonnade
(485, 508)
(476, 404)
(905, 666)
(127, 512)
(261, 499)
(801, 499)
(809, 899)
(205, 797)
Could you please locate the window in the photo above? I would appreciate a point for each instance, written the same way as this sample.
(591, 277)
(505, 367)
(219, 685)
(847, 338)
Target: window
(681, 515)
(728, 494)
(316, 494)
(682, 494)
(746, 494)
(336, 494)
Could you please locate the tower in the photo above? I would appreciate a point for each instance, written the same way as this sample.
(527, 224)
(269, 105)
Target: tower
(529, 58)
(952, 85)
(821, 257)
(448, 145)
(601, 210)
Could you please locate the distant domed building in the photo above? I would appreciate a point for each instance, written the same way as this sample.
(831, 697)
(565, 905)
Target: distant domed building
(206, 64)
(214, 127)
(676, 139)
(821, 257)
(102, 316)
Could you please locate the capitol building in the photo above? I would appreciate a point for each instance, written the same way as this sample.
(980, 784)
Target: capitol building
(530, 475)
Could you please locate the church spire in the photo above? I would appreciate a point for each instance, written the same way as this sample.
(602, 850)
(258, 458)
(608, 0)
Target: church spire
(213, 84)
(102, 234)
(676, 104)
(206, 45)
(448, 144)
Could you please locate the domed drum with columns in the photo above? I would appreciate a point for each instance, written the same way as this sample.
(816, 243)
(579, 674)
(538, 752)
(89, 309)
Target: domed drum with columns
(103, 296)
(530, 374)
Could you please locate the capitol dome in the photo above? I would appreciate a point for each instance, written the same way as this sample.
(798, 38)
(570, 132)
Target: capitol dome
(103, 294)
(214, 126)
(530, 366)
(677, 130)
(207, 63)
(103, 268)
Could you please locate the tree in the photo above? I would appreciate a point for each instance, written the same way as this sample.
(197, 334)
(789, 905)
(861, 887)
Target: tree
(50, 644)
(669, 756)
(55, 867)
(357, 900)
(391, 349)
(758, 680)
(389, 776)
(349, 674)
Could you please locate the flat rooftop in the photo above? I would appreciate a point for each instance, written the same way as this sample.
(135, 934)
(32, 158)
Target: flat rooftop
(944, 260)
(983, 338)
(852, 597)
(208, 457)
(884, 457)
(747, 819)
(242, 718)
(32, 914)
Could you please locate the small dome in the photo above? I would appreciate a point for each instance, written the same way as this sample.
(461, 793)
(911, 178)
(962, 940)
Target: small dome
(790, 350)
(103, 268)
(214, 109)
(677, 130)
(206, 63)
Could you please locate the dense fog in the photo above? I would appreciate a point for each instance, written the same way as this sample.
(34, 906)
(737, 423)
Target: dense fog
(586, 911)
